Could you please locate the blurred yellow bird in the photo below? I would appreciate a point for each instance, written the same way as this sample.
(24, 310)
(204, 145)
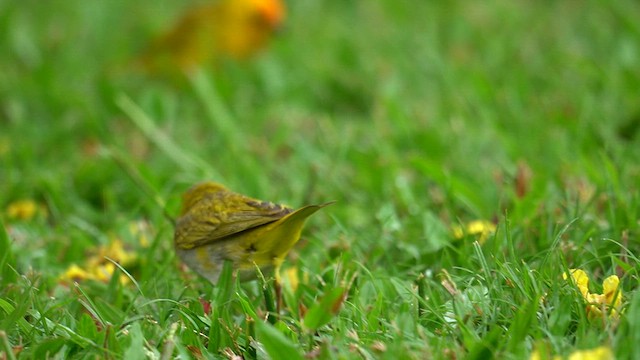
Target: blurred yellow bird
(232, 29)
(216, 224)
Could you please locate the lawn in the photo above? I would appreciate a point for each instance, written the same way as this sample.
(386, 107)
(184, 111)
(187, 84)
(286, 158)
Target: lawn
(420, 119)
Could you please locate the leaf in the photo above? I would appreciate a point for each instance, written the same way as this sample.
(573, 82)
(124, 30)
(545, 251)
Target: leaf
(277, 345)
(219, 338)
(323, 311)
(17, 314)
(7, 261)
(249, 310)
(521, 325)
(87, 327)
(47, 349)
(14, 317)
(486, 347)
(136, 347)
(436, 234)
(224, 287)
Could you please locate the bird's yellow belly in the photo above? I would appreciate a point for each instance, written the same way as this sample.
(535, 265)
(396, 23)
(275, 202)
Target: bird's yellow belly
(208, 260)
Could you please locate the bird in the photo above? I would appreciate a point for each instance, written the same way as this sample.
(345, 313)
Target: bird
(217, 225)
(209, 32)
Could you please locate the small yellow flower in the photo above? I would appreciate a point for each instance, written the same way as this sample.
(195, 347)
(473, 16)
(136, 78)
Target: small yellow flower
(76, 273)
(609, 302)
(114, 251)
(97, 267)
(22, 209)
(610, 289)
(104, 272)
(581, 279)
(483, 228)
(599, 353)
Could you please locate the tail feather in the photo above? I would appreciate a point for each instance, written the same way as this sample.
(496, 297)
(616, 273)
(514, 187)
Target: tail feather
(289, 228)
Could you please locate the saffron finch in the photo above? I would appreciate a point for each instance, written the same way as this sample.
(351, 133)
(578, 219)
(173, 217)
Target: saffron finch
(216, 224)
(227, 28)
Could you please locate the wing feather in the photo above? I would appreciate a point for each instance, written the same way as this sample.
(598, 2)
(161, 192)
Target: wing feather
(215, 217)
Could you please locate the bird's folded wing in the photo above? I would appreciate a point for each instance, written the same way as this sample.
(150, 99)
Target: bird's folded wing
(196, 228)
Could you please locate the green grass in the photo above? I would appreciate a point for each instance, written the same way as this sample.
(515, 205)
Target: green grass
(415, 116)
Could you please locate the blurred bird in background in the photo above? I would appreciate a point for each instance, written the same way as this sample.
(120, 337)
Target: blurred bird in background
(211, 31)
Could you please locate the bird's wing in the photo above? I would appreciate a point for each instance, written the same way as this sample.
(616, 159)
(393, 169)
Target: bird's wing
(215, 221)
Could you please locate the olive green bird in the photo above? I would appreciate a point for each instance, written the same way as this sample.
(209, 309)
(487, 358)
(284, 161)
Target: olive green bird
(218, 225)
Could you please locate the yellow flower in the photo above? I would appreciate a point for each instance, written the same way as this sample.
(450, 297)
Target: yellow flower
(535, 355)
(609, 302)
(599, 353)
(114, 251)
(483, 228)
(581, 279)
(104, 272)
(76, 273)
(611, 294)
(98, 268)
(22, 209)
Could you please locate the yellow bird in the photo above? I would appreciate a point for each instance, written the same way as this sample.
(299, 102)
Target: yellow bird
(227, 28)
(216, 224)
